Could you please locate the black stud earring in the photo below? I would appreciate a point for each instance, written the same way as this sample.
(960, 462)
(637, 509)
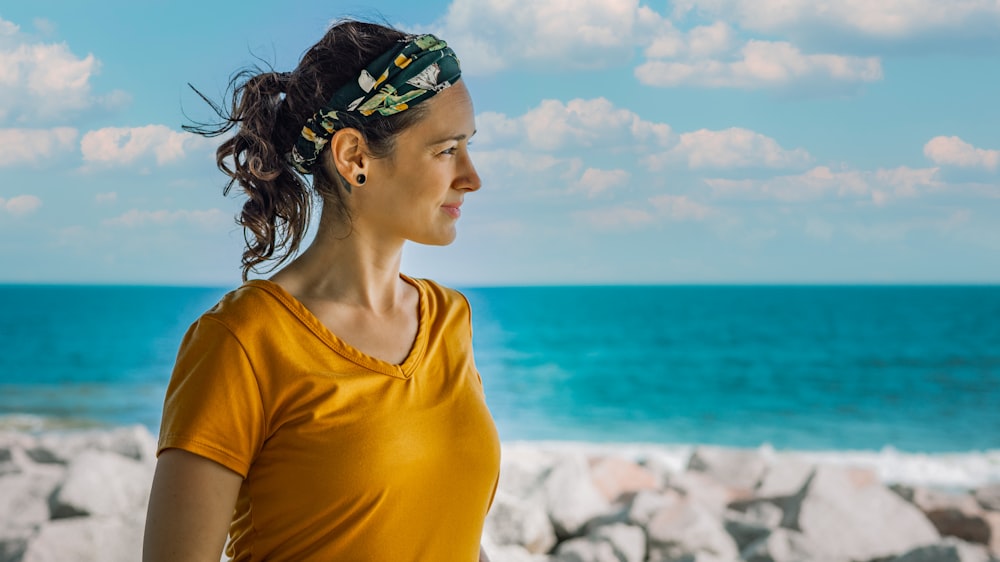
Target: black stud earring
(361, 179)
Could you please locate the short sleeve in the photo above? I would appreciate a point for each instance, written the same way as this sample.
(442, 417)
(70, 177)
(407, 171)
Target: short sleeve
(213, 405)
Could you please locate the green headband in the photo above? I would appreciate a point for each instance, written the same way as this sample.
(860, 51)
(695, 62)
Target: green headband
(404, 76)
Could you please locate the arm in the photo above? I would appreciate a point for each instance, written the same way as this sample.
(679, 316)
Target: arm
(190, 508)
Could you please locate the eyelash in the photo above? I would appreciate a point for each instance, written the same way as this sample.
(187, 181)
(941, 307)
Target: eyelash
(451, 151)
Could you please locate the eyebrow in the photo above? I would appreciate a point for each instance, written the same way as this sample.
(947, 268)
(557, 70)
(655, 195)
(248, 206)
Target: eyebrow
(458, 137)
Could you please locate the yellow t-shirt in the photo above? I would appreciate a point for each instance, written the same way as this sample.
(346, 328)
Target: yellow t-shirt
(344, 457)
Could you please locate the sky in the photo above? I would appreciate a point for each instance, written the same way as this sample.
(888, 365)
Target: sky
(619, 141)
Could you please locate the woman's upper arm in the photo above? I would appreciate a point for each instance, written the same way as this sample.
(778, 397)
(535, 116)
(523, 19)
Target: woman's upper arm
(190, 508)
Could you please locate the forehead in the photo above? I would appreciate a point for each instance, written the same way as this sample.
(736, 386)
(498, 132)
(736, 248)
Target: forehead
(448, 113)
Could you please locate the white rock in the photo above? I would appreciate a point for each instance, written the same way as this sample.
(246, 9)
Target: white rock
(135, 442)
(513, 553)
(88, 539)
(615, 476)
(523, 470)
(849, 516)
(988, 496)
(24, 496)
(683, 529)
(704, 489)
(583, 549)
(784, 477)
(515, 521)
(646, 503)
(736, 468)
(948, 549)
(783, 545)
(571, 496)
(745, 529)
(102, 483)
(627, 541)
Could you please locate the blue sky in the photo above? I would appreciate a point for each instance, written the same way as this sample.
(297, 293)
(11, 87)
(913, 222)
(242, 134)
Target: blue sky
(719, 141)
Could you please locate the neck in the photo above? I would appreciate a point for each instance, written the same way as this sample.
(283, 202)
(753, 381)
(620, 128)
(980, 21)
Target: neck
(353, 267)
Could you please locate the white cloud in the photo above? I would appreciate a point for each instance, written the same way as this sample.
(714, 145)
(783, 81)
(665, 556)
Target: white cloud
(554, 125)
(680, 208)
(729, 148)
(595, 181)
(878, 186)
(891, 19)
(137, 218)
(20, 205)
(34, 146)
(953, 151)
(616, 217)
(761, 64)
(44, 81)
(491, 35)
(126, 145)
(109, 197)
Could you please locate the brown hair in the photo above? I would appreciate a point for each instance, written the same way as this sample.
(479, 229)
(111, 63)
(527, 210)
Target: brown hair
(268, 110)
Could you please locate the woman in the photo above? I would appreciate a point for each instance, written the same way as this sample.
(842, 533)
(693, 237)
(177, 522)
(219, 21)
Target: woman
(333, 411)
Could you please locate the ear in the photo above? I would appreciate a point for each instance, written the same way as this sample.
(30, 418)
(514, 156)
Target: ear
(348, 154)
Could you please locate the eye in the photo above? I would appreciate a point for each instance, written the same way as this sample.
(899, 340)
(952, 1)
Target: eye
(450, 151)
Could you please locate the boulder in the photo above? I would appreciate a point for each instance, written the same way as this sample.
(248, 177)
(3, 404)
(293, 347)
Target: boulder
(784, 478)
(783, 545)
(948, 549)
(523, 470)
(24, 497)
(848, 515)
(571, 497)
(684, 529)
(747, 529)
(87, 539)
(646, 503)
(704, 489)
(102, 483)
(992, 519)
(515, 521)
(988, 496)
(612, 543)
(953, 514)
(615, 476)
(737, 468)
(628, 541)
(134, 442)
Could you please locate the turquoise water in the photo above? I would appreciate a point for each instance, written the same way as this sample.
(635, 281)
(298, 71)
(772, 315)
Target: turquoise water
(915, 368)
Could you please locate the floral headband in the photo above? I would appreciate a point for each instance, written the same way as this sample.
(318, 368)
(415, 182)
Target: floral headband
(404, 76)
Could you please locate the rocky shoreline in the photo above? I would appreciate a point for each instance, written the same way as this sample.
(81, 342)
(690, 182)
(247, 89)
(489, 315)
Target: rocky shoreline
(81, 495)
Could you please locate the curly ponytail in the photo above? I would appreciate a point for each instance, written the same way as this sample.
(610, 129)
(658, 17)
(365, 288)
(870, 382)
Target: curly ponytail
(267, 111)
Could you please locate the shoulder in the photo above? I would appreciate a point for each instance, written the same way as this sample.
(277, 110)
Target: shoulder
(442, 301)
(246, 309)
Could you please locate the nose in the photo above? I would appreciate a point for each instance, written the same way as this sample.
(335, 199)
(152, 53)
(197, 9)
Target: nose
(469, 179)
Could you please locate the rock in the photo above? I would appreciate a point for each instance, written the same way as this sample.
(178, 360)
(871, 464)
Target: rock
(628, 541)
(583, 549)
(948, 549)
(571, 496)
(87, 539)
(102, 483)
(684, 529)
(614, 476)
(736, 468)
(746, 529)
(646, 503)
(783, 478)
(783, 545)
(612, 543)
(13, 544)
(956, 515)
(523, 470)
(848, 515)
(134, 442)
(24, 497)
(988, 497)
(514, 521)
(706, 490)
(992, 519)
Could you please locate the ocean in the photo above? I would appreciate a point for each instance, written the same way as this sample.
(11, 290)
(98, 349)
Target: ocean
(864, 370)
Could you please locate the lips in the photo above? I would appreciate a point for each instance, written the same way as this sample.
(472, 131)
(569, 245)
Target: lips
(452, 209)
